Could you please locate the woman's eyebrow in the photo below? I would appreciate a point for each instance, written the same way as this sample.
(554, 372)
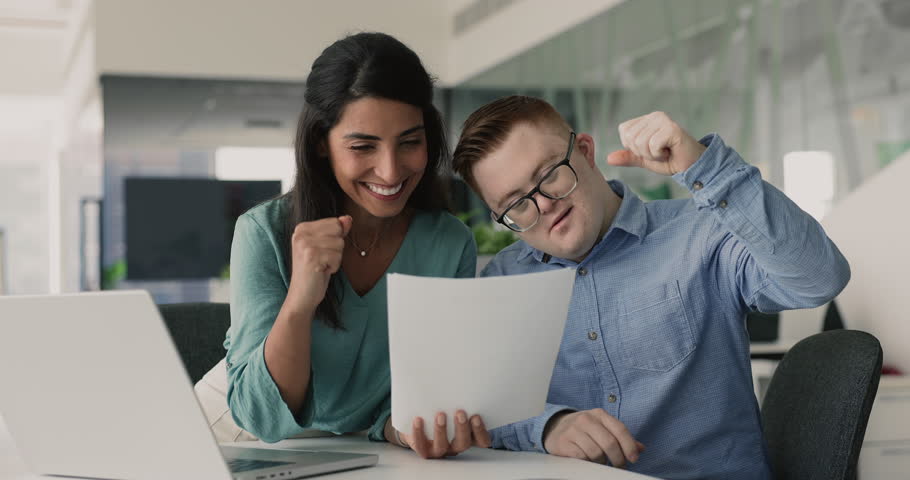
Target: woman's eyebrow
(411, 130)
(366, 136)
(361, 136)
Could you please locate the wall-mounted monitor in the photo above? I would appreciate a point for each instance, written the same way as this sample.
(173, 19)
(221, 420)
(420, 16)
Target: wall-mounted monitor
(181, 228)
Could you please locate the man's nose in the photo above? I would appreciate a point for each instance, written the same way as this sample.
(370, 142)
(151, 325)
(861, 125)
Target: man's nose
(544, 203)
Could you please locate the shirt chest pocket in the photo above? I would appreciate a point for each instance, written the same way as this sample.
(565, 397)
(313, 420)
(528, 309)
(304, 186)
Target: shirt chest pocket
(655, 330)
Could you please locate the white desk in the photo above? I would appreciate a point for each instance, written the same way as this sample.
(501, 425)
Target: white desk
(886, 447)
(765, 357)
(778, 347)
(396, 463)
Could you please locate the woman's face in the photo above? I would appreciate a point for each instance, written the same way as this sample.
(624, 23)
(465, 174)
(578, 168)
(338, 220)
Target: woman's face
(378, 152)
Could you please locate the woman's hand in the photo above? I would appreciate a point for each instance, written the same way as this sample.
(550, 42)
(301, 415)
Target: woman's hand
(469, 432)
(316, 251)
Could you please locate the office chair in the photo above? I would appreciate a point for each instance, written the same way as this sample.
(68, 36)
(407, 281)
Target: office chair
(198, 331)
(817, 405)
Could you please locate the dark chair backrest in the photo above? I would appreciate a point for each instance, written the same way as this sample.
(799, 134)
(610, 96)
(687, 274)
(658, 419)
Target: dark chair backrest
(817, 405)
(198, 330)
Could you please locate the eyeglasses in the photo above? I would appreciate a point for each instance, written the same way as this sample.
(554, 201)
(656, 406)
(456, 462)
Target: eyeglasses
(560, 181)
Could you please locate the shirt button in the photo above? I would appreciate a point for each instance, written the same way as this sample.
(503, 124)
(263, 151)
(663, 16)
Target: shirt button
(611, 398)
(582, 271)
(723, 204)
(592, 335)
(697, 185)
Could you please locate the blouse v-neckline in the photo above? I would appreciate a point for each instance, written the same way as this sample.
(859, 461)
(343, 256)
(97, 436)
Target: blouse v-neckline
(349, 289)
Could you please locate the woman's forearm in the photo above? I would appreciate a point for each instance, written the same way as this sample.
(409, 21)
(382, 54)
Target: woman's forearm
(287, 353)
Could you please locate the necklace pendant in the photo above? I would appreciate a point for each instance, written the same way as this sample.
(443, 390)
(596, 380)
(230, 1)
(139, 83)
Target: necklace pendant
(363, 253)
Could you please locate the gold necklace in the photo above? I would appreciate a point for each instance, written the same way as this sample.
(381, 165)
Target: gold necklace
(365, 251)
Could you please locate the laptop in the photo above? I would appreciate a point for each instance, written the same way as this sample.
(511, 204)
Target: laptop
(91, 385)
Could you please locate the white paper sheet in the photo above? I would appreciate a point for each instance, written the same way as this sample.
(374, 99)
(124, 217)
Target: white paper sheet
(485, 345)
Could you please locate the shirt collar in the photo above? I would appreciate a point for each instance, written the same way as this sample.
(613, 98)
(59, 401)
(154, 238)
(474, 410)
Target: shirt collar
(631, 218)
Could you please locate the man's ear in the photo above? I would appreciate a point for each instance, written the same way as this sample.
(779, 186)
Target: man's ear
(584, 144)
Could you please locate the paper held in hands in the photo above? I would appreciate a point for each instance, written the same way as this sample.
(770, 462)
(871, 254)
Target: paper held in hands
(485, 345)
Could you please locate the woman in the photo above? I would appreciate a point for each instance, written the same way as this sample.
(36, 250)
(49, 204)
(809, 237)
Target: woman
(308, 344)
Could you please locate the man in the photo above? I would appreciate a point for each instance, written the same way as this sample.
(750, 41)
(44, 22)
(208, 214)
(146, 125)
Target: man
(655, 350)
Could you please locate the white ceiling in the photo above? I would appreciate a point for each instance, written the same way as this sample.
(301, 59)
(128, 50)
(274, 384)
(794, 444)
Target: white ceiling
(32, 36)
(35, 14)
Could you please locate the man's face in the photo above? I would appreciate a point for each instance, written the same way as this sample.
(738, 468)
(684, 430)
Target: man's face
(568, 227)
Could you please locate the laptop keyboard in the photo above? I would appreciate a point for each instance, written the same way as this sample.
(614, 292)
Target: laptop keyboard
(239, 465)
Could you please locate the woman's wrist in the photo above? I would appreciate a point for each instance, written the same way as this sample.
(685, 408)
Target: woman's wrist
(398, 438)
(392, 435)
(297, 309)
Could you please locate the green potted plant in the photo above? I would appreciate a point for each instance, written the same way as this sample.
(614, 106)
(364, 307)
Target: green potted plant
(490, 237)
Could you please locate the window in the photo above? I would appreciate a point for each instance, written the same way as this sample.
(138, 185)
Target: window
(809, 181)
(253, 163)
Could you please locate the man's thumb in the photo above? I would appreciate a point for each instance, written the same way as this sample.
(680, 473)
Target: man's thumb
(623, 158)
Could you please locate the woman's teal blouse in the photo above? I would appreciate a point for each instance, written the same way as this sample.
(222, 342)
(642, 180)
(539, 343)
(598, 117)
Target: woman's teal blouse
(350, 388)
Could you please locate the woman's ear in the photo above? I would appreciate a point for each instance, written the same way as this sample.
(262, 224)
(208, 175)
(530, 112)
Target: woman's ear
(584, 144)
(323, 148)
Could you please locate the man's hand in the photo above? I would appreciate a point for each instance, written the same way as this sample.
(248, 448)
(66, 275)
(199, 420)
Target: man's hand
(592, 435)
(469, 432)
(657, 143)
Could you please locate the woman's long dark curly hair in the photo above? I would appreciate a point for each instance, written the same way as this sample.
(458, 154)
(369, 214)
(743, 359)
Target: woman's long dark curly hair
(357, 66)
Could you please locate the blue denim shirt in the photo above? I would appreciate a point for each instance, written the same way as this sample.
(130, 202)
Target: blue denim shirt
(656, 332)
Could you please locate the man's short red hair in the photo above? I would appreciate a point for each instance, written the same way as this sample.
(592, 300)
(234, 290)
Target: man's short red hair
(488, 127)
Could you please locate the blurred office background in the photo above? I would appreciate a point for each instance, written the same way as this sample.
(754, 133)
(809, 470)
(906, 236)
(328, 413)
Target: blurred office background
(121, 120)
(133, 132)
